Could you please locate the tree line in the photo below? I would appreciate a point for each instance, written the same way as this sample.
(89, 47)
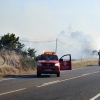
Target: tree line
(10, 42)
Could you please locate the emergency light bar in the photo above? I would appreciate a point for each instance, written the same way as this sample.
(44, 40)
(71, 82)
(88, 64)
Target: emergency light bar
(52, 53)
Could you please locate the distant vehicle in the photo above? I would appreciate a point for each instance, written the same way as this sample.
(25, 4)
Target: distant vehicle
(48, 63)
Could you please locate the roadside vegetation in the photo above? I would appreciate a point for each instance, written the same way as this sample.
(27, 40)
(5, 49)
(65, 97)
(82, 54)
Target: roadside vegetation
(14, 60)
(84, 62)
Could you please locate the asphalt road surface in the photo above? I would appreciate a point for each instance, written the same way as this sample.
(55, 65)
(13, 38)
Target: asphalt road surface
(77, 84)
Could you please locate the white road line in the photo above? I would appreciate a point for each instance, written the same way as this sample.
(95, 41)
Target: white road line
(76, 69)
(80, 68)
(95, 97)
(53, 82)
(7, 79)
(12, 91)
(44, 84)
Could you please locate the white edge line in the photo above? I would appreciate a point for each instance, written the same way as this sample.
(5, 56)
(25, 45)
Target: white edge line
(79, 68)
(7, 79)
(76, 69)
(95, 97)
(53, 82)
(12, 91)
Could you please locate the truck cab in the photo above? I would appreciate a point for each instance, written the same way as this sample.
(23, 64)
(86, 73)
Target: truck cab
(48, 63)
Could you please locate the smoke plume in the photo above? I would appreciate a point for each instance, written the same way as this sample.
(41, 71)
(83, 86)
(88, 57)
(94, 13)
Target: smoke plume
(79, 45)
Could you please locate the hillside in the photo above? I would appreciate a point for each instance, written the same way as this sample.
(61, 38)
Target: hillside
(12, 63)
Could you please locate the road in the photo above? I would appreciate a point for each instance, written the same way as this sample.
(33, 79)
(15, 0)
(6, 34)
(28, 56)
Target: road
(77, 84)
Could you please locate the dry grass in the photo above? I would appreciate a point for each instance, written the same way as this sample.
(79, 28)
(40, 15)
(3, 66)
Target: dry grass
(7, 70)
(15, 64)
(1, 61)
(85, 62)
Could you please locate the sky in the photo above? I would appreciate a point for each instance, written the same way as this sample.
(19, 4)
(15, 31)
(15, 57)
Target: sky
(48, 19)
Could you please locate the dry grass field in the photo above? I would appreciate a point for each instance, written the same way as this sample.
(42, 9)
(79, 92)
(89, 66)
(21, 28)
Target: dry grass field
(85, 62)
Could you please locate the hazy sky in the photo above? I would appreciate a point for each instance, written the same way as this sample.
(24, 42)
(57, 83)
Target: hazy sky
(46, 19)
(41, 19)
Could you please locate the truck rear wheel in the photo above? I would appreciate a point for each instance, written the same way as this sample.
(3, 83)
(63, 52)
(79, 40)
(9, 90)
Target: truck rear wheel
(58, 74)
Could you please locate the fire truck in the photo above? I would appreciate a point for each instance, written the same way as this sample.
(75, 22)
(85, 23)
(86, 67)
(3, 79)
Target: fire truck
(49, 63)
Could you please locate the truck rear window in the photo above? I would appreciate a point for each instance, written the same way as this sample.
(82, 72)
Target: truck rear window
(48, 57)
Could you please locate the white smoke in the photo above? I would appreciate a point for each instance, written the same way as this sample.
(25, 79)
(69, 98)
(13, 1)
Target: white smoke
(79, 45)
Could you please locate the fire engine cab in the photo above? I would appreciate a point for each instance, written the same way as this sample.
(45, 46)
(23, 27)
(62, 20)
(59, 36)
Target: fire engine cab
(48, 63)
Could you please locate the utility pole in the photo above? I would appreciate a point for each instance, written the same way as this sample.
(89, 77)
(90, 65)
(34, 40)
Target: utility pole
(56, 46)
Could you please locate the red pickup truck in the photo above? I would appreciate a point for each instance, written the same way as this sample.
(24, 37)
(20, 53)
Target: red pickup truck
(48, 63)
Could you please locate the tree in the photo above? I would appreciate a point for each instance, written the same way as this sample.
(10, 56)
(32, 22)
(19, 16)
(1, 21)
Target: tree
(24, 53)
(31, 52)
(10, 42)
(19, 47)
(95, 53)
